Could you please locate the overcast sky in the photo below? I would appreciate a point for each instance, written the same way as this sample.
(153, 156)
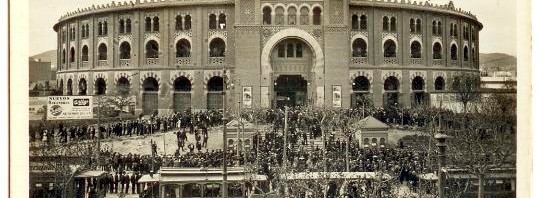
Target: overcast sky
(498, 18)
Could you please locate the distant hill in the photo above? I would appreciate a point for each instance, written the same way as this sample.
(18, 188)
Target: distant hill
(497, 62)
(48, 56)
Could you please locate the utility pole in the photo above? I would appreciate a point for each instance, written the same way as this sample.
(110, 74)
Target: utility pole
(285, 131)
(99, 101)
(441, 163)
(224, 120)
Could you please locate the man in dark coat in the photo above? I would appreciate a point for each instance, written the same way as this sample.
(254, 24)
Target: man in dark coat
(133, 180)
(117, 180)
(127, 183)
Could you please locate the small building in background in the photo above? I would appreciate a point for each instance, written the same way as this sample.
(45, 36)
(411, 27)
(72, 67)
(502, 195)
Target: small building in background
(372, 132)
(41, 78)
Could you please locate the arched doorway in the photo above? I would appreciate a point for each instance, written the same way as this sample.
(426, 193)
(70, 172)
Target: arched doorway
(418, 94)
(82, 87)
(100, 86)
(291, 90)
(150, 95)
(391, 92)
(361, 87)
(214, 98)
(182, 94)
(123, 86)
(70, 87)
(291, 61)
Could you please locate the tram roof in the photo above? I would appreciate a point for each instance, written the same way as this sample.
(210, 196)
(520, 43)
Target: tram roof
(335, 175)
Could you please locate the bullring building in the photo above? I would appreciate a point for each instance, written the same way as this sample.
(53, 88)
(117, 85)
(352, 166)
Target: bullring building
(175, 54)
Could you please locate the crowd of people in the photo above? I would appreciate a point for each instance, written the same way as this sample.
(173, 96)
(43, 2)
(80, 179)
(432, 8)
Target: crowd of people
(58, 132)
(266, 151)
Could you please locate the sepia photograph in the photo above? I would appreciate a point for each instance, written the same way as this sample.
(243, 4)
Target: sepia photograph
(271, 98)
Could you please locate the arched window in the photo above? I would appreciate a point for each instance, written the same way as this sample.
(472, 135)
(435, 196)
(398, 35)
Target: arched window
(212, 21)
(393, 24)
(215, 84)
(299, 50)
(361, 84)
(391, 84)
(222, 21)
(125, 50)
(64, 57)
(455, 29)
(439, 28)
(102, 51)
(354, 22)
(418, 26)
(214, 97)
(71, 57)
(466, 53)
(434, 28)
(105, 28)
(70, 87)
(279, 16)
(179, 22)
(121, 26)
(83, 31)
(150, 84)
(100, 29)
(389, 48)
(363, 22)
(439, 84)
(290, 50)
(82, 87)
(359, 47)
(412, 26)
(317, 16)
(100, 86)
(217, 48)
(182, 84)
(292, 16)
(281, 51)
(87, 31)
(128, 26)
(148, 24)
(266, 12)
(304, 16)
(152, 49)
(417, 84)
(84, 53)
(454, 55)
(183, 48)
(187, 22)
(451, 32)
(437, 51)
(123, 86)
(156, 24)
(386, 24)
(416, 49)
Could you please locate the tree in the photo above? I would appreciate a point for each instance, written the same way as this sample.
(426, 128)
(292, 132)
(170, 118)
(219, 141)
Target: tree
(122, 99)
(483, 143)
(466, 86)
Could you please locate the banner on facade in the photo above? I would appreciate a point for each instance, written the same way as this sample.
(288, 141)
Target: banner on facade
(70, 107)
(247, 97)
(337, 96)
(264, 100)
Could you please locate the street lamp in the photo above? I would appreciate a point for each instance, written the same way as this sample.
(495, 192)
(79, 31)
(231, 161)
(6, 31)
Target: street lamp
(442, 161)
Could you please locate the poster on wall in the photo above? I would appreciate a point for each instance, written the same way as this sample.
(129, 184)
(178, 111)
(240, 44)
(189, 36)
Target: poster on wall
(247, 97)
(320, 96)
(264, 100)
(70, 107)
(336, 96)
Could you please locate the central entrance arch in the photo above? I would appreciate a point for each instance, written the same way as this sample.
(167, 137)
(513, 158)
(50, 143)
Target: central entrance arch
(295, 55)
